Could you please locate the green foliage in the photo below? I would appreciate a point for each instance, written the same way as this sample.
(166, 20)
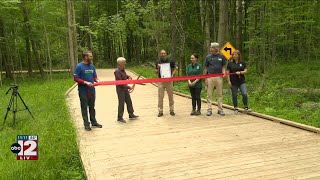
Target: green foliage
(145, 70)
(281, 30)
(58, 150)
(271, 99)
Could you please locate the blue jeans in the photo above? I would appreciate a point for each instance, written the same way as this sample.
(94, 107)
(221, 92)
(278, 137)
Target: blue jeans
(88, 101)
(243, 89)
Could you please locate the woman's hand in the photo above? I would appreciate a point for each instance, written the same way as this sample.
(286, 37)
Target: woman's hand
(229, 83)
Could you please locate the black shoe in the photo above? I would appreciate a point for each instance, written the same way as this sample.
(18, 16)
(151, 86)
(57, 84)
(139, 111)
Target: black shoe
(172, 113)
(97, 125)
(121, 121)
(198, 112)
(193, 112)
(87, 128)
(133, 117)
(160, 114)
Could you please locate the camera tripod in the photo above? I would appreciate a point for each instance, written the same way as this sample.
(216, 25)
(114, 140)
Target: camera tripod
(13, 105)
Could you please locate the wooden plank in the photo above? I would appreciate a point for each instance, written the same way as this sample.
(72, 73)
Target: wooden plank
(216, 163)
(184, 146)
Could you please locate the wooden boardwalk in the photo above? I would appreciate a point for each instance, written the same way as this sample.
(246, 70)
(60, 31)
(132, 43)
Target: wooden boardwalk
(189, 147)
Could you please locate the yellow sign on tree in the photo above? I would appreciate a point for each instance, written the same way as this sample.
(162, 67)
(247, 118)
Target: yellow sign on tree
(227, 50)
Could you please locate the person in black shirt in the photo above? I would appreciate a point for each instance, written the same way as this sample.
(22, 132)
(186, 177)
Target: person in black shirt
(237, 81)
(165, 86)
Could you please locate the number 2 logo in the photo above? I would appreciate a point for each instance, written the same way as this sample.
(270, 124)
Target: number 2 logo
(31, 149)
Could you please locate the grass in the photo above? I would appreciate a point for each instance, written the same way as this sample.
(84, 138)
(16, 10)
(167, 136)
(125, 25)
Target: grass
(271, 100)
(58, 150)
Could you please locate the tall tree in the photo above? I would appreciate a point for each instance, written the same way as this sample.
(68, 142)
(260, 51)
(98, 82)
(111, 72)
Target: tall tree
(239, 25)
(28, 55)
(223, 18)
(86, 40)
(33, 41)
(205, 23)
(72, 52)
(4, 50)
(173, 29)
(232, 20)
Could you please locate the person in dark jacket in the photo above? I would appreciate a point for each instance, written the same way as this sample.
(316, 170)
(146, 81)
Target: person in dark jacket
(123, 91)
(237, 81)
(195, 85)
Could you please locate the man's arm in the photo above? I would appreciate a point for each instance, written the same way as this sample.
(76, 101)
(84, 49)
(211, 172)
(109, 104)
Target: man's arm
(173, 67)
(157, 68)
(224, 71)
(95, 77)
(205, 70)
(174, 71)
(224, 66)
(76, 77)
(117, 75)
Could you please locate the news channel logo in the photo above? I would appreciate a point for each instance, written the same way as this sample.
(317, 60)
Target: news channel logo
(26, 147)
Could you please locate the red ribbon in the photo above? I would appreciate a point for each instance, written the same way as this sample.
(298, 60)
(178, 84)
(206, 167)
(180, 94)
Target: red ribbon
(153, 80)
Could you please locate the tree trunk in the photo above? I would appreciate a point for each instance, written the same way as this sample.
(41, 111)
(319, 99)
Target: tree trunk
(74, 33)
(174, 29)
(86, 37)
(223, 18)
(48, 51)
(214, 21)
(129, 44)
(4, 50)
(239, 32)
(207, 27)
(71, 52)
(263, 35)
(33, 43)
(28, 50)
(251, 26)
(231, 20)
(16, 50)
(245, 34)
(202, 13)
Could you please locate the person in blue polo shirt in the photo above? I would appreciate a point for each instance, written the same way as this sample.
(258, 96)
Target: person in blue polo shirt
(215, 63)
(85, 75)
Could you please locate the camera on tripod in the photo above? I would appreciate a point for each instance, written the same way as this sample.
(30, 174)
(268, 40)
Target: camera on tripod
(13, 104)
(14, 88)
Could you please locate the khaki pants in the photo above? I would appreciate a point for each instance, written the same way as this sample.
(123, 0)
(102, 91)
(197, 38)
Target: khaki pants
(214, 82)
(162, 86)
